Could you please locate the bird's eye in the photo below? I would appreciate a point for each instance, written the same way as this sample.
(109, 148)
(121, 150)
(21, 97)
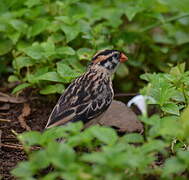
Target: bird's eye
(116, 56)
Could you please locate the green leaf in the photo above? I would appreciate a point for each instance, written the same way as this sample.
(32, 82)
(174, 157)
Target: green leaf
(96, 157)
(170, 127)
(173, 166)
(31, 3)
(51, 76)
(131, 12)
(133, 138)
(35, 51)
(178, 70)
(13, 78)
(51, 89)
(104, 134)
(39, 26)
(66, 71)
(66, 50)
(153, 145)
(39, 159)
(180, 5)
(30, 138)
(71, 31)
(23, 170)
(183, 156)
(171, 108)
(184, 119)
(49, 48)
(20, 87)
(18, 25)
(23, 61)
(5, 46)
(85, 53)
(51, 175)
(14, 36)
(64, 155)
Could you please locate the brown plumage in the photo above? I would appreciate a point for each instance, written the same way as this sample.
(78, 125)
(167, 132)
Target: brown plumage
(88, 96)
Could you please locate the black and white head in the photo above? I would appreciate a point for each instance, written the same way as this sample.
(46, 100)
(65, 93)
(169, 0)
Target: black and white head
(109, 59)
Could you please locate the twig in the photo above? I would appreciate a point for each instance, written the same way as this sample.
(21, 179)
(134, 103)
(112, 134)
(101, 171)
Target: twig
(12, 146)
(17, 146)
(5, 120)
(174, 18)
(10, 139)
(14, 132)
(4, 114)
(25, 112)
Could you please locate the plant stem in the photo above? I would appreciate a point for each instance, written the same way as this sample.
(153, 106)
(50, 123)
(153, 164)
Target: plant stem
(174, 18)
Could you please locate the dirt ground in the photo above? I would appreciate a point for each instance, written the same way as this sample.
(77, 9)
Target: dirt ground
(35, 118)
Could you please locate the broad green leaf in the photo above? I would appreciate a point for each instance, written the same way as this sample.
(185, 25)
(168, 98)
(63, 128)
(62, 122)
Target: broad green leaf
(51, 175)
(153, 145)
(24, 170)
(104, 134)
(66, 50)
(35, 51)
(173, 166)
(77, 65)
(185, 121)
(13, 78)
(131, 12)
(171, 108)
(5, 46)
(71, 31)
(39, 26)
(51, 89)
(39, 159)
(31, 3)
(179, 5)
(49, 48)
(96, 157)
(14, 36)
(85, 53)
(133, 138)
(181, 37)
(33, 77)
(51, 76)
(66, 71)
(30, 138)
(23, 61)
(178, 70)
(183, 156)
(64, 156)
(18, 25)
(170, 127)
(20, 87)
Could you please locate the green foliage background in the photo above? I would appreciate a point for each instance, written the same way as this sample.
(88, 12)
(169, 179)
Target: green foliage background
(44, 44)
(49, 42)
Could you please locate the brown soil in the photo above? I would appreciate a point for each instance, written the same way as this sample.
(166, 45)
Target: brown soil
(10, 153)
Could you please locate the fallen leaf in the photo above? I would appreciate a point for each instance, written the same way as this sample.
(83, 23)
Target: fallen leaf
(25, 112)
(121, 117)
(11, 99)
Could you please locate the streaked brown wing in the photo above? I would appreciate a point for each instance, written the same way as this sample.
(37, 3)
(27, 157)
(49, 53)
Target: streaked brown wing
(83, 100)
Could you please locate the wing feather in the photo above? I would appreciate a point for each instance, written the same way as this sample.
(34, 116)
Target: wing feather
(85, 99)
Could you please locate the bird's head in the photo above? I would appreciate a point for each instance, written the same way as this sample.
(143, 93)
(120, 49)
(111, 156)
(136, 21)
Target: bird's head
(109, 59)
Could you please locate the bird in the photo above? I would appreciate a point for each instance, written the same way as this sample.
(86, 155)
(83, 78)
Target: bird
(89, 95)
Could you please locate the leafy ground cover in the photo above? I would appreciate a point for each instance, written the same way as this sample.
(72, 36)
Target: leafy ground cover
(45, 44)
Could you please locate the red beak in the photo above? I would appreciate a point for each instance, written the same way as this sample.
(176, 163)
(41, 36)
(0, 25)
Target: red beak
(123, 58)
